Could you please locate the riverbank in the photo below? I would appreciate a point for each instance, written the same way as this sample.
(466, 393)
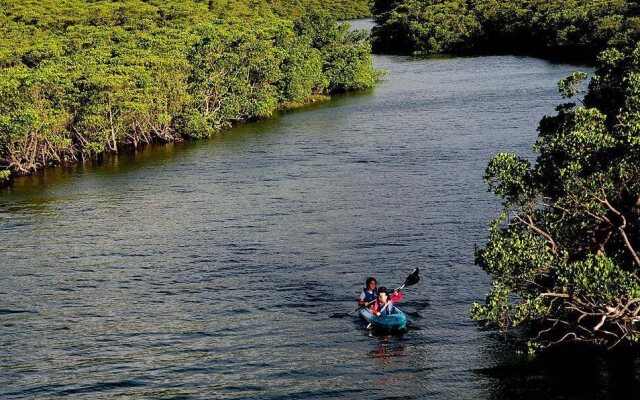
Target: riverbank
(128, 150)
(7, 178)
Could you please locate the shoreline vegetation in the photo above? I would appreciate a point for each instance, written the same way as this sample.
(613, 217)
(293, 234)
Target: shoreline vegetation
(575, 30)
(563, 256)
(79, 80)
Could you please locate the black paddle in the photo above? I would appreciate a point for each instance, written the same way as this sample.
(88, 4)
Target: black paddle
(411, 280)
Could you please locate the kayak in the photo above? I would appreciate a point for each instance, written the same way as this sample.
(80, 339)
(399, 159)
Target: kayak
(389, 323)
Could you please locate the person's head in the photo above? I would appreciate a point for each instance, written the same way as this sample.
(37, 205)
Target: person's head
(382, 294)
(371, 283)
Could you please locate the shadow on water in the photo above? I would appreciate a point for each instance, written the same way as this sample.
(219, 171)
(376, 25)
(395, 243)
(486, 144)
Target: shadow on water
(571, 372)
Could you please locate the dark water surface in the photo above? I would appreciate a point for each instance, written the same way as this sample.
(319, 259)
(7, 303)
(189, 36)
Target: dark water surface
(209, 270)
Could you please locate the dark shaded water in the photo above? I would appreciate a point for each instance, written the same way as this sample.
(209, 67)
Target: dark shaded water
(209, 270)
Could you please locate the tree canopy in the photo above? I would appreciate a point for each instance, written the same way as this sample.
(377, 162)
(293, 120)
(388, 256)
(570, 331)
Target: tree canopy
(573, 28)
(79, 79)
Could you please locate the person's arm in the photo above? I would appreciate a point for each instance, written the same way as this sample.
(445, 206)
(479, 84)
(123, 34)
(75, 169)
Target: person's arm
(361, 300)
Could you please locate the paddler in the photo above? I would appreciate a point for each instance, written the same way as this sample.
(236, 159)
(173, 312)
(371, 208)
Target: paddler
(369, 294)
(384, 304)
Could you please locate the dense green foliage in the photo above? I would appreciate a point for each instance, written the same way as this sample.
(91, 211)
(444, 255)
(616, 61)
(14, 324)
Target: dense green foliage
(570, 28)
(80, 78)
(563, 257)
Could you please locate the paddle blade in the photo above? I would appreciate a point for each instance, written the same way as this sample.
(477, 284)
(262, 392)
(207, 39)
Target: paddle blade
(413, 278)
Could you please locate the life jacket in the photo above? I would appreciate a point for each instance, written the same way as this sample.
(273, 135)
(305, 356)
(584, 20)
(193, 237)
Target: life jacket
(369, 297)
(388, 310)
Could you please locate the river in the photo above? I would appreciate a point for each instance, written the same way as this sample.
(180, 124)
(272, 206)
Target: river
(210, 269)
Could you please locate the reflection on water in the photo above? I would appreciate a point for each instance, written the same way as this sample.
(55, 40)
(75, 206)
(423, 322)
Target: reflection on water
(210, 269)
(365, 24)
(389, 348)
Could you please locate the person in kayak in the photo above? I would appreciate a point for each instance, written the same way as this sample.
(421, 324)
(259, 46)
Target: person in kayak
(384, 305)
(369, 294)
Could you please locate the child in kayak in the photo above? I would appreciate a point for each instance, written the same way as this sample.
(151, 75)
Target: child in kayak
(369, 294)
(380, 307)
